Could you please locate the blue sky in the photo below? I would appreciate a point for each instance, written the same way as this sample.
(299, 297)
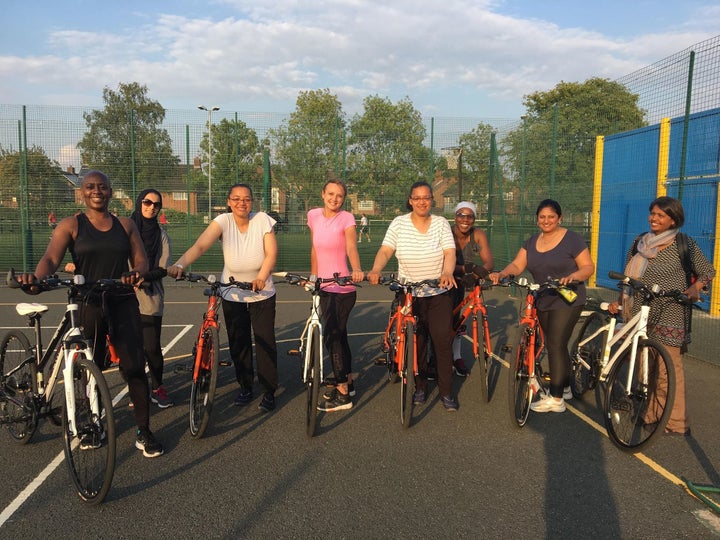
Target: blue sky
(455, 58)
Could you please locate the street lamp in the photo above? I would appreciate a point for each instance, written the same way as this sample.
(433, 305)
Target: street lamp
(210, 153)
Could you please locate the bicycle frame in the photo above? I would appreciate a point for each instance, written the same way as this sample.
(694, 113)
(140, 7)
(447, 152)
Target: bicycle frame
(402, 316)
(537, 336)
(210, 320)
(471, 305)
(314, 321)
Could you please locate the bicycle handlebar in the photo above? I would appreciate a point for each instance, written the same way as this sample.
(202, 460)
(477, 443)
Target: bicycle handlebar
(397, 284)
(650, 293)
(315, 281)
(211, 280)
(76, 281)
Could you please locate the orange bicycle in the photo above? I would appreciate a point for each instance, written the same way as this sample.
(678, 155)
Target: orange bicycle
(399, 342)
(473, 308)
(206, 352)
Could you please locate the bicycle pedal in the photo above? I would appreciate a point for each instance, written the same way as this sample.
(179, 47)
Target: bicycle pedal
(293, 352)
(507, 348)
(225, 363)
(182, 368)
(381, 361)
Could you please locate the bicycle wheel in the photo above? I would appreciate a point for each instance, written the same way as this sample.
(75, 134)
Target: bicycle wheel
(17, 366)
(90, 451)
(637, 411)
(407, 388)
(585, 360)
(202, 390)
(519, 391)
(391, 353)
(483, 359)
(312, 384)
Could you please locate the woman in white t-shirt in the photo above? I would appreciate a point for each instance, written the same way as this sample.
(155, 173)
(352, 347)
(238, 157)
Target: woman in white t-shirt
(425, 249)
(250, 252)
(334, 242)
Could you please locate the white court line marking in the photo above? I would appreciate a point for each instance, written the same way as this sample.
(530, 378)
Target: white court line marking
(35, 484)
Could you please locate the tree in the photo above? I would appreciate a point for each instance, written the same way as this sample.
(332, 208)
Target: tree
(130, 120)
(558, 138)
(236, 158)
(308, 146)
(386, 152)
(476, 157)
(47, 187)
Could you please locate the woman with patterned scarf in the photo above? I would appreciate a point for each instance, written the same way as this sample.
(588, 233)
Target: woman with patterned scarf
(657, 260)
(152, 295)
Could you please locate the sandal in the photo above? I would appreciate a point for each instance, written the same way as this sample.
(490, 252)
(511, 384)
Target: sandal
(671, 433)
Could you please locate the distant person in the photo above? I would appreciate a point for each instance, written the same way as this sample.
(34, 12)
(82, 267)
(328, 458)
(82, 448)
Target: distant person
(162, 219)
(52, 220)
(364, 228)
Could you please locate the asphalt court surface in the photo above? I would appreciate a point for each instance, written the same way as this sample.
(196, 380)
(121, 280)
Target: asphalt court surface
(467, 474)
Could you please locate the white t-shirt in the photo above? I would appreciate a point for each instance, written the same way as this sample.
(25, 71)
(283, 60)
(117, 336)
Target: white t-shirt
(420, 256)
(244, 253)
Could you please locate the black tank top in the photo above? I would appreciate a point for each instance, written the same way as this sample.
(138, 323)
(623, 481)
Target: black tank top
(100, 254)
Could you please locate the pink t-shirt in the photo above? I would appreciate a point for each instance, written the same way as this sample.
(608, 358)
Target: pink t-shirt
(330, 247)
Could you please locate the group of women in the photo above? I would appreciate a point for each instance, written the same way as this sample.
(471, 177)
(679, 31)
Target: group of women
(426, 248)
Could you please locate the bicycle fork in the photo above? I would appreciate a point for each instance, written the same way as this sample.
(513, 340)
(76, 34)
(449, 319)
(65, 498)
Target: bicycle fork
(71, 352)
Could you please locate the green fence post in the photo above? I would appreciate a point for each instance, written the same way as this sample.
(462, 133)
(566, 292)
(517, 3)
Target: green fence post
(266, 177)
(686, 125)
(553, 155)
(132, 154)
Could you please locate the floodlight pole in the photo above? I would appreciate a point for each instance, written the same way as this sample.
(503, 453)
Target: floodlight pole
(209, 110)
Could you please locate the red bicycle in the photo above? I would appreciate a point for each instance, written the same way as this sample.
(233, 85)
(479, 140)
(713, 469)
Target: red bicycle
(206, 352)
(399, 341)
(473, 308)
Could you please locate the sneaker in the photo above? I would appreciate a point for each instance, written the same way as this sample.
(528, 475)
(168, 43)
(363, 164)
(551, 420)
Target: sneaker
(131, 405)
(450, 403)
(93, 440)
(160, 398)
(332, 390)
(567, 393)
(459, 368)
(146, 442)
(351, 389)
(548, 404)
(419, 397)
(431, 373)
(340, 402)
(268, 402)
(243, 398)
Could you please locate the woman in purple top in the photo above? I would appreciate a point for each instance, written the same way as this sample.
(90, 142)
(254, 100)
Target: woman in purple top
(561, 254)
(334, 242)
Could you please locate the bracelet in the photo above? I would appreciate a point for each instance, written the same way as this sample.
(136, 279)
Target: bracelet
(180, 266)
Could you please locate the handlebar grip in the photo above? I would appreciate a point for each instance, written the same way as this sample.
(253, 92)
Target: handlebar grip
(616, 275)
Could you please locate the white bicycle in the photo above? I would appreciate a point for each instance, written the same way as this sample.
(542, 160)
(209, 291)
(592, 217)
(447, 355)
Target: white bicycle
(30, 375)
(637, 371)
(311, 347)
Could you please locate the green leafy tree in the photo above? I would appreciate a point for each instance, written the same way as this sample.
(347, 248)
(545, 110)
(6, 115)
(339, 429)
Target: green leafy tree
(385, 151)
(307, 149)
(47, 188)
(552, 152)
(475, 159)
(236, 157)
(129, 116)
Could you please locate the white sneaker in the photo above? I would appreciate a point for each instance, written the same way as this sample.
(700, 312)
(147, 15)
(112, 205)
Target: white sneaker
(567, 393)
(548, 404)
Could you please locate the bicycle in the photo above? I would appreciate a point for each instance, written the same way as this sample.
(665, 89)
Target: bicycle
(637, 371)
(473, 306)
(399, 342)
(526, 376)
(311, 347)
(206, 352)
(30, 374)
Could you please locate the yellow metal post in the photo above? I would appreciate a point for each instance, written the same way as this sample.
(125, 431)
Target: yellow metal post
(663, 157)
(597, 195)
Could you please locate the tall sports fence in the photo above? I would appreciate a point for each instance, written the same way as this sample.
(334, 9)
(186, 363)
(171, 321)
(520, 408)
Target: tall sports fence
(505, 166)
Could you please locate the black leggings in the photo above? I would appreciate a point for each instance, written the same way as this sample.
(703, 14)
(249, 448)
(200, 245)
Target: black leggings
(152, 326)
(120, 318)
(335, 309)
(558, 325)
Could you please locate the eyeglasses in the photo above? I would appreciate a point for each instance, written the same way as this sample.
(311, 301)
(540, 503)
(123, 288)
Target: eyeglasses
(465, 216)
(246, 200)
(148, 202)
(418, 199)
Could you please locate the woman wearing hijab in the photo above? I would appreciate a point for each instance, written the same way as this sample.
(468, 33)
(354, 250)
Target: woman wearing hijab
(151, 295)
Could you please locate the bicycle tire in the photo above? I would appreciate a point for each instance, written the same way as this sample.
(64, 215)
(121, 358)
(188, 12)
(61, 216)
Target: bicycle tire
(407, 387)
(312, 384)
(19, 414)
(483, 359)
(91, 469)
(391, 354)
(634, 420)
(202, 390)
(519, 390)
(585, 360)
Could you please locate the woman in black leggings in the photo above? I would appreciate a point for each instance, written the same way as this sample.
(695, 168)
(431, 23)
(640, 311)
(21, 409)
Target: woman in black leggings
(561, 254)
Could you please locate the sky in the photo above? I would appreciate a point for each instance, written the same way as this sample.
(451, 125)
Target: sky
(450, 58)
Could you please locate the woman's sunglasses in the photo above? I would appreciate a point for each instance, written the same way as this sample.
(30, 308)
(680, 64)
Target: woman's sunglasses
(148, 202)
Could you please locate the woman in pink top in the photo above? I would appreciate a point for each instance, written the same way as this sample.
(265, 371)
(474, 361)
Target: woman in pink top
(334, 242)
